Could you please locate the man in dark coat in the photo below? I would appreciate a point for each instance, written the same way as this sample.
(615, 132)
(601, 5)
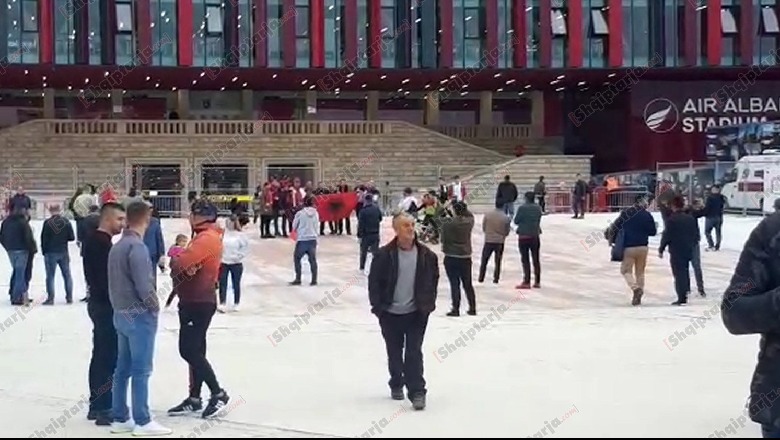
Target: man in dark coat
(17, 239)
(506, 194)
(680, 236)
(578, 194)
(369, 226)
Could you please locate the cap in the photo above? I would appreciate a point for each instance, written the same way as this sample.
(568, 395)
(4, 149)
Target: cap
(204, 208)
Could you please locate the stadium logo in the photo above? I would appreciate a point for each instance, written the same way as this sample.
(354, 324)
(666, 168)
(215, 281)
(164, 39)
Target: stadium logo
(661, 115)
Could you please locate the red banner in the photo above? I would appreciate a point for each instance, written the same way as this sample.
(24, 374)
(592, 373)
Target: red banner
(335, 207)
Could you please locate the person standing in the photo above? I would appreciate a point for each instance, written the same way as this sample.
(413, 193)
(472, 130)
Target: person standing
(540, 190)
(713, 217)
(235, 248)
(267, 211)
(680, 237)
(257, 207)
(343, 188)
(136, 314)
(506, 195)
(528, 221)
(443, 192)
(638, 226)
(95, 250)
(196, 271)
(87, 226)
(402, 287)
(153, 239)
(369, 226)
(305, 227)
(697, 211)
(496, 226)
(19, 201)
(456, 246)
(409, 203)
(578, 194)
(457, 190)
(16, 237)
(56, 233)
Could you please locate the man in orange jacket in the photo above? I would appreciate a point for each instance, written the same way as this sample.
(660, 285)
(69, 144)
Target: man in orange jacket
(195, 272)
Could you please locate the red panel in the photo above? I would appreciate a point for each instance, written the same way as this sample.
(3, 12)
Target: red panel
(288, 34)
(260, 37)
(714, 35)
(375, 34)
(46, 32)
(519, 35)
(350, 24)
(317, 31)
(690, 33)
(747, 30)
(615, 19)
(184, 20)
(143, 18)
(491, 29)
(445, 34)
(545, 31)
(574, 31)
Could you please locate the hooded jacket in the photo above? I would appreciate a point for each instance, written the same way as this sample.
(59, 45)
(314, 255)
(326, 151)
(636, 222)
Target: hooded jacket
(307, 224)
(456, 235)
(202, 259)
(235, 247)
(369, 220)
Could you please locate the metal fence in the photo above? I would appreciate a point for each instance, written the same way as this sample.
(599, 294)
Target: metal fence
(693, 178)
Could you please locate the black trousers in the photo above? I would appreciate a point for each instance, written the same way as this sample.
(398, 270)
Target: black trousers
(404, 335)
(682, 277)
(488, 250)
(283, 217)
(459, 271)
(195, 320)
(104, 352)
(340, 226)
(711, 223)
(529, 249)
(265, 225)
(331, 226)
(369, 243)
(540, 200)
(579, 206)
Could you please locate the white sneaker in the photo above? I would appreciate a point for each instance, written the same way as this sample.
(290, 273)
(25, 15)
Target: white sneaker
(236, 308)
(151, 429)
(221, 308)
(122, 427)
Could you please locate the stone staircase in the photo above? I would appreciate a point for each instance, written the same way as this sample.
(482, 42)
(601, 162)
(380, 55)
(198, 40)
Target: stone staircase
(524, 172)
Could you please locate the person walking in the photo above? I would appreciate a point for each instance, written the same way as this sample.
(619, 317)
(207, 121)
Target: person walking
(578, 194)
(680, 236)
(16, 237)
(235, 248)
(456, 246)
(528, 221)
(697, 211)
(402, 292)
(305, 226)
(369, 226)
(95, 250)
(540, 190)
(713, 217)
(56, 233)
(638, 226)
(496, 227)
(506, 195)
(409, 203)
(136, 314)
(196, 271)
(153, 239)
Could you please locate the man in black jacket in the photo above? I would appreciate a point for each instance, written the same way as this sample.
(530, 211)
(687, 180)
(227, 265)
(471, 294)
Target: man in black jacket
(84, 228)
(402, 291)
(95, 251)
(20, 200)
(578, 194)
(16, 237)
(506, 194)
(680, 236)
(713, 217)
(56, 233)
(369, 224)
(344, 188)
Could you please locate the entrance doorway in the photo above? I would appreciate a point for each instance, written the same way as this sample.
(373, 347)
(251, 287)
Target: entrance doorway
(162, 183)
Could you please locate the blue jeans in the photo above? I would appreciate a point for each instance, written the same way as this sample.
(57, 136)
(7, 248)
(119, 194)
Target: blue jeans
(18, 278)
(509, 209)
(305, 248)
(135, 354)
(63, 261)
(696, 263)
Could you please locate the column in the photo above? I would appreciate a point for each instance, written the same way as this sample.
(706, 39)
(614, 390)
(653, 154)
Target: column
(372, 105)
(615, 22)
(317, 32)
(428, 33)
(183, 104)
(117, 96)
(46, 31)
(260, 37)
(231, 34)
(184, 45)
(574, 31)
(445, 34)
(714, 37)
(545, 33)
(432, 108)
(374, 33)
(108, 26)
(486, 108)
(519, 37)
(537, 114)
(248, 104)
(746, 33)
(350, 25)
(48, 104)
(143, 28)
(311, 105)
(288, 34)
(81, 26)
(491, 27)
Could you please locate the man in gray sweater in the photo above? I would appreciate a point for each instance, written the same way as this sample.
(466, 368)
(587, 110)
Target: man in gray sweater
(496, 226)
(456, 246)
(136, 313)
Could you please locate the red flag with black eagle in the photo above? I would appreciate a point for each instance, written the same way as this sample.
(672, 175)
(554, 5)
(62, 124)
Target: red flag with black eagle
(335, 207)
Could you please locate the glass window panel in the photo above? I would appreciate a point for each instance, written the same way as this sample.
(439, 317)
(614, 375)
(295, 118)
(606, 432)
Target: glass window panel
(504, 33)
(214, 20)
(558, 22)
(532, 25)
(599, 23)
(641, 33)
(302, 51)
(388, 22)
(301, 21)
(124, 49)
(215, 51)
(388, 52)
(769, 21)
(274, 30)
(14, 32)
(558, 52)
(628, 36)
(30, 54)
(597, 55)
(94, 33)
(124, 17)
(416, 30)
(727, 22)
(471, 23)
(245, 29)
(363, 33)
(164, 28)
(332, 33)
(458, 35)
(728, 53)
(64, 34)
(30, 16)
(472, 53)
(670, 34)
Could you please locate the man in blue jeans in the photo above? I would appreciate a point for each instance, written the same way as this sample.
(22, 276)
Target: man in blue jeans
(306, 225)
(16, 237)
(57, 232)
(136, 313)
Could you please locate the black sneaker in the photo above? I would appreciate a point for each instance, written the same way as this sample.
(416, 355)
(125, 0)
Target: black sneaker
(92, 415)
(472, 313)
(397, 394)
(313, 283)
(702, 293)
(637, 300)
(481, 280)
(537, 286)
(85, 299)
(295, 283)
(104, 418)
(216, 403)
(69, 301)
(454, 314)
(48, 302)
(419, 402)
(679, 303)
(189, 405)
(495, 281)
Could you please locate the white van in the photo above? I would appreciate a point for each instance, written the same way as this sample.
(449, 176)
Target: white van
(751, 182)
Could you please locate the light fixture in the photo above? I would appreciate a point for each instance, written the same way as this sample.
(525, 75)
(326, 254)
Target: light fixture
(499, 90)
(235, 78)
(245, 84)
(304, 82)
(173, 88)
(274, 76)
(148, 78)
(611, 75)
(221, 89)
(405, 81)
(497, 75)
(363, 86)
(348, 81)
(528, 86)
(86, 80)
(70, 88)
(511, 81)
(581, 83)
(311, 87)
(561, 77)
(105, 74)
(202, 74)
(383, 77)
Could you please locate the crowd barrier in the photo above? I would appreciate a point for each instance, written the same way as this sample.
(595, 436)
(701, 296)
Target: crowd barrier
(598, 200)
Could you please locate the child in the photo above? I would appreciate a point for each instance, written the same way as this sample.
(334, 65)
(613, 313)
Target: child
(173, 252)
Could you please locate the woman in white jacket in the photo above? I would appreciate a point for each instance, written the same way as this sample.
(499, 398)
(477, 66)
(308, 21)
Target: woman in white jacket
(235, 248)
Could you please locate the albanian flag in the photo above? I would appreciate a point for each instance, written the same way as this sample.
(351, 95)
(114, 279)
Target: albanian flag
(335, 207)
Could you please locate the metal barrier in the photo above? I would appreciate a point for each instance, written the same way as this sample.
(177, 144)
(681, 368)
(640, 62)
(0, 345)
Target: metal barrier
(599, 200)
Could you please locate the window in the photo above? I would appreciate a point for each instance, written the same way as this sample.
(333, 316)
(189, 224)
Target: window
(302, 35)
(598, 23)
(636, 32)
(164, 28)
(124, 17)
(125, 48)
(560, 44)
(275, 14)
(728, 33)
(469, 33)
(64, 34)
(23, 32)
(533, 21)
(558, 21)
(727, 22)
(245, 32)
(416, 30)
(595, 34)
(363, 44)
(214, 19)
(505, 34)
(95, 33)
(29, 13)
(769, 21)
(334, 34)
(208, 41)
(388, 33)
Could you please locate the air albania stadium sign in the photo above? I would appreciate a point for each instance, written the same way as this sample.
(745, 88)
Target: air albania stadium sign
(695, 115)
